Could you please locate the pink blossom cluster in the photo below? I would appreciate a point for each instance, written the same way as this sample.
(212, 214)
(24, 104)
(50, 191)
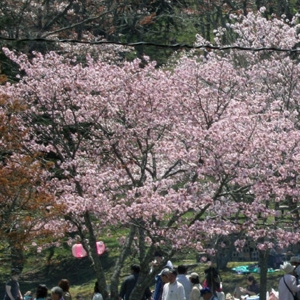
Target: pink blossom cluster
(207, 148)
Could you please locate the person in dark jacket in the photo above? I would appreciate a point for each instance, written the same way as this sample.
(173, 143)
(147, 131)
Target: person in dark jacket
(130, 282)
(252, 287)
(12, 287)
(41, 292)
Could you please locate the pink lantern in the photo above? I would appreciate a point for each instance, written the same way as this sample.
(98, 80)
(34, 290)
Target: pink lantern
(100, 247)
(78, 251)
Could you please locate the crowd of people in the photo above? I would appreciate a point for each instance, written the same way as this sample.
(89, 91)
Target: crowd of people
(175, 284)
(288, 286)
(59, 292)
(170, 284)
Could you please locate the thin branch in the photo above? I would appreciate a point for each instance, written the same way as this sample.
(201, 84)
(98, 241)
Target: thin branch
(74, 25)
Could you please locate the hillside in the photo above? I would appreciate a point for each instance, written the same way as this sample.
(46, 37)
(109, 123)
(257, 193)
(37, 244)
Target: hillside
(79, 272)
(82, 277)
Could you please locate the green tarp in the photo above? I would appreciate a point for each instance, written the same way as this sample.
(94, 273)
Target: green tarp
(249, 269)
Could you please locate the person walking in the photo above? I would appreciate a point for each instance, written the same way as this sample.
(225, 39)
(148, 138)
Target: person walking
(295, 261)
(207, 294)
(164, 278)
(130, 282)
(184, 280)
(57, 293)
(159, 284)
(212, 280)
(173, 290)
(41, 292)
(97, 295)
(65, 285)
(12, 287)
(288, 287)
(196, 286)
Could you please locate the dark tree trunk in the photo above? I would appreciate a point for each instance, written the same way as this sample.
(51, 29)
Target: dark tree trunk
(263, 263)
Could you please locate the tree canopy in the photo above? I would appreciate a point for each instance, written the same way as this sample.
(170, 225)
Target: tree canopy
(170, 157)
(125, 21)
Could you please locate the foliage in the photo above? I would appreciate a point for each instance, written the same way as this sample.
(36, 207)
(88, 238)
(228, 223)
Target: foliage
(166, 22)
(173, 158)
(24, 198)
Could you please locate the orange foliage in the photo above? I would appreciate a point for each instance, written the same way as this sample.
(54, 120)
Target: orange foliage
(148, 19)
(3, 77)
(25, 201)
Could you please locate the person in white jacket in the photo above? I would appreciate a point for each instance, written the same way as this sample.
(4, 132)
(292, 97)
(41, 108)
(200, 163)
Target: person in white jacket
(173, 290)
(184, 280)
(287, 284)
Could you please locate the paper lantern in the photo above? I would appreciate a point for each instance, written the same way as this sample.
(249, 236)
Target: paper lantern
(100, 247)
(78, 251)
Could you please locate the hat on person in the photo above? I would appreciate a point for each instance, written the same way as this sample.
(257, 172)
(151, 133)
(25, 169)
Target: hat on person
(194, 275)
(287, 267)
(295, 259)
(205, 291)
(165, 271)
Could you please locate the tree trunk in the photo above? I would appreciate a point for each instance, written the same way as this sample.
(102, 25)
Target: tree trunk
(114, 295)
(100, 275)
(263, 263)
(17, 256)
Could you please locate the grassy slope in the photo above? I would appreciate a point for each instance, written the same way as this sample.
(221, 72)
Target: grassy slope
(81, 274)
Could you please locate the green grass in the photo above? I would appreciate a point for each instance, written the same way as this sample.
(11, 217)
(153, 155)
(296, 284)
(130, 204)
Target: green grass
(82, 277)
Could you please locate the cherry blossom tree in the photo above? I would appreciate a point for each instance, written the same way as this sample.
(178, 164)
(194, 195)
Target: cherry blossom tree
(111, 151)
(174, 156)
(273, 90)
